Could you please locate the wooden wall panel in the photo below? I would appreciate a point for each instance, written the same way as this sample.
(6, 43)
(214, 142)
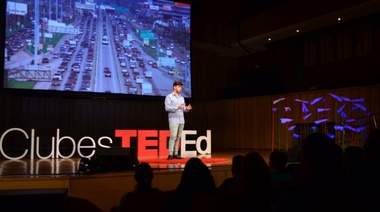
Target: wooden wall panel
(238, 128)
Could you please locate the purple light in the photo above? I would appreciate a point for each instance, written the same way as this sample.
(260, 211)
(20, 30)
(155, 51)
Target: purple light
(304, 108)
(336, 97)
(303, 101)
(360, 106)
(314, 128)
(358, 100)
(343, 115)
(323, 109)
(316, 100)
(307, 116)
(350, 120)
(320, 121)
(285, 120)
(341, 108)
(278, 100)
(346, 99)
(337, 127)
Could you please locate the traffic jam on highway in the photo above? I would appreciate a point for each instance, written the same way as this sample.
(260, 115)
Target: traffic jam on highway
(139, 52)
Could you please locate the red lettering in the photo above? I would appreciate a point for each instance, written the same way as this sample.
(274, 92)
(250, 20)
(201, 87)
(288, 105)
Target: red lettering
(143, 143)
(125, 137)
(163, 145)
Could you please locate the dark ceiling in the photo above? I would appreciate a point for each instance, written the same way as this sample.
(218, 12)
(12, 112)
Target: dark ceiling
(241, 27)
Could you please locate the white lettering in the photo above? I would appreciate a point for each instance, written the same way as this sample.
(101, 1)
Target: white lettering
(185, 142)
(208, 143)
(58, 153)
(2, 139)
(104, 138)
(86, 147)
(51, 155)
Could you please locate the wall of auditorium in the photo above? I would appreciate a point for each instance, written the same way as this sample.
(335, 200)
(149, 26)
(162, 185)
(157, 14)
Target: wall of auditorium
(344, 55)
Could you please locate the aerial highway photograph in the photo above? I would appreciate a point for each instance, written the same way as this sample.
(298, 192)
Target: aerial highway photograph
(132, 47)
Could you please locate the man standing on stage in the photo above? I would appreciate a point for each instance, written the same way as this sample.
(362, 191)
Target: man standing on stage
(175, 106)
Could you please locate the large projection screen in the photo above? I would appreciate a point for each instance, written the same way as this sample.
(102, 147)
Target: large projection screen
(130, 47)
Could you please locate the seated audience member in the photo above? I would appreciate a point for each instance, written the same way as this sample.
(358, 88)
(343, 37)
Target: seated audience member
(372, 155)
(196, 179)
(143, 177)
(320, 183)
(253, 189)
(372, 160)
(277, 167)
(354, 167)
(236, 170)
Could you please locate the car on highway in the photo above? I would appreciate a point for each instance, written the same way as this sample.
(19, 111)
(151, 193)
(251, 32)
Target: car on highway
(62, 69)
(107, 72)
(139, 79)
(132, 90)
(120, 56)
(55, 82)
(135, 70)
(88, 67)
(154, 65)
(171, 72)
(148, 74)
(68, 86)
(75, 67)
(128, 82)
(125, 72)
(45, 60)
(141, 64)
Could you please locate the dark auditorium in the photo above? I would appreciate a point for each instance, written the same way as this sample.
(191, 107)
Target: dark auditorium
(189, 105)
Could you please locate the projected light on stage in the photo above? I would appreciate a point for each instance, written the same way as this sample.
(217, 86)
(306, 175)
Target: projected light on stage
(341, 118)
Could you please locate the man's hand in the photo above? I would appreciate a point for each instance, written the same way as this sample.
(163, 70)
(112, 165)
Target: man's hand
(189, 107)
(180, 107)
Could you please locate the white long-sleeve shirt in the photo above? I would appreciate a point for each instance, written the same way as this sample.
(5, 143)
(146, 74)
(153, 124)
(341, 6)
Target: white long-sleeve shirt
(172, 102)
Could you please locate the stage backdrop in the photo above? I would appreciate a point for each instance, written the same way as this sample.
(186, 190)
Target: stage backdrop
(246, 123)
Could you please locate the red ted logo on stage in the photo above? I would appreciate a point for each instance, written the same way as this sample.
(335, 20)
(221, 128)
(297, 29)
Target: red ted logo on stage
(158, 139)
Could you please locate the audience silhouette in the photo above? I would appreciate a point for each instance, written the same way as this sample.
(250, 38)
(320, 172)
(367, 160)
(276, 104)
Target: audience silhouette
(354, 167)
(236, 171)
(277, 166)
(320, 178)
(253, 189)
(372, 160)
(327, 179)
(196, 179)
(143, 177)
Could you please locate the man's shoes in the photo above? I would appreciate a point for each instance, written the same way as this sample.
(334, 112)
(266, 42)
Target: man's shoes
(177, 157)
(170, 157)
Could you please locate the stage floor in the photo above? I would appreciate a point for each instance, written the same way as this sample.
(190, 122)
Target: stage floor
(69, 167)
